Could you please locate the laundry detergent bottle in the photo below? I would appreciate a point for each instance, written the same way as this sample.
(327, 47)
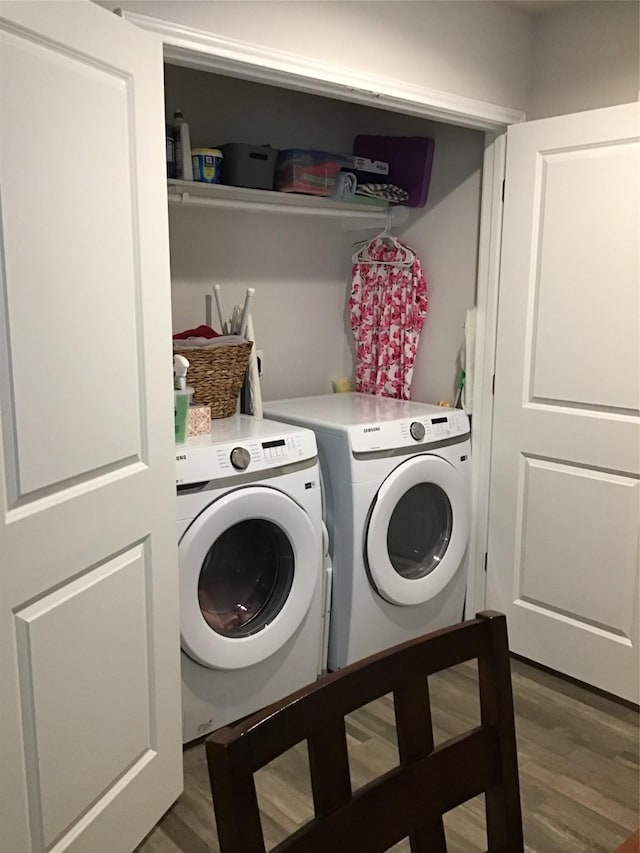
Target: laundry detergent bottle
(184, 166)
(181, 397)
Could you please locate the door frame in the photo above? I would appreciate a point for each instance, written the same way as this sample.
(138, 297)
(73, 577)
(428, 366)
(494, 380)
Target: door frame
(206, 51)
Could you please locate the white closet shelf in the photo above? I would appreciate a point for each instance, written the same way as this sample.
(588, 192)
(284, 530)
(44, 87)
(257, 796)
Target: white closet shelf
(266, 201)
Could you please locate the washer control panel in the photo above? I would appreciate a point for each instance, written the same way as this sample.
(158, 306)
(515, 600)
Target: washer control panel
(418, 431)
(201, 459)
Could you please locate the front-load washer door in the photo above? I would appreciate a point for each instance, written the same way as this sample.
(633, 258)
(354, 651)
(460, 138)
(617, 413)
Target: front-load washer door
(249, 564)
(418, 530)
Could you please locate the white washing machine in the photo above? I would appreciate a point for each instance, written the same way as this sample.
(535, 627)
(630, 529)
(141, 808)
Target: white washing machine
(396, 482)
(250, 551)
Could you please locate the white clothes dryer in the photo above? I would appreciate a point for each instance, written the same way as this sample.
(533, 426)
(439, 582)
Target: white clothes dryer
(250, 552)
(396, 482)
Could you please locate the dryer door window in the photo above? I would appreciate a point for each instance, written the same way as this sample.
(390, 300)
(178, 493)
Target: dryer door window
(418, 530)
(249, 565)
(246, 578)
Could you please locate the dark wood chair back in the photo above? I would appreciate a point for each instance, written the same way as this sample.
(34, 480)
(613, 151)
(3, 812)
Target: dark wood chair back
(410, 799)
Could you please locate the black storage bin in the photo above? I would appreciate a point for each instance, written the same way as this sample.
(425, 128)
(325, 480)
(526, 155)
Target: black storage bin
(250, 166)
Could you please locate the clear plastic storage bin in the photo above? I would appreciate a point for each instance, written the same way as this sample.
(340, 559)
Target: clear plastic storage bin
(308, 172)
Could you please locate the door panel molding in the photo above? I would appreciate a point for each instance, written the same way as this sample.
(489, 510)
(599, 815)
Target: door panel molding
(565, 477)
(89, 633)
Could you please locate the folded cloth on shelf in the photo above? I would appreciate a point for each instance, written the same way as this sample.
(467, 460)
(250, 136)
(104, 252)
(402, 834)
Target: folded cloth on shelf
(388, 192)
(198, 332)
(346, 186)
(200, 343)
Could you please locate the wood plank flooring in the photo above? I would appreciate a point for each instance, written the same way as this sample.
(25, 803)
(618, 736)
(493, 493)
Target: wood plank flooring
(578, 755)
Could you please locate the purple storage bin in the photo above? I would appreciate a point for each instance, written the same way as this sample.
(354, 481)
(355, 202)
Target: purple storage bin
(410, 159)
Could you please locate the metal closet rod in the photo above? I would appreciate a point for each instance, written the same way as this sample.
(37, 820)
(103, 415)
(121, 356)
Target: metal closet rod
(261, 207)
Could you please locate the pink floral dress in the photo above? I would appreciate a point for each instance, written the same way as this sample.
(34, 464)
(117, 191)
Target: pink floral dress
(388, 305)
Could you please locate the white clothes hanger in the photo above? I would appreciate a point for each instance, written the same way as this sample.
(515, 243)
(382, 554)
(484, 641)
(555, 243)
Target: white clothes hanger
(361, 253)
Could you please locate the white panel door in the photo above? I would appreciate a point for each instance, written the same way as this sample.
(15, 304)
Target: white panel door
(565, 489)
(90, 698)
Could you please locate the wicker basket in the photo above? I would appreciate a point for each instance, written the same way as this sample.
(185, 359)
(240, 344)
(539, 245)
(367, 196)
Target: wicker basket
(216, 375)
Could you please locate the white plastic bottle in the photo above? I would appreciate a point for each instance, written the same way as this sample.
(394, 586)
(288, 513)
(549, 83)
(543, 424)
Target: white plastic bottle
(184, 166)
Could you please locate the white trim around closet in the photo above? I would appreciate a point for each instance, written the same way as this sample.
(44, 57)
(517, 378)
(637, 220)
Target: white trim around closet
(489, 247)
(207, 51)
(200, 49)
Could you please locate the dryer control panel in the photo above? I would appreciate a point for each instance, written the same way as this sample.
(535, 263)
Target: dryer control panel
(419, 431)
(203, 458)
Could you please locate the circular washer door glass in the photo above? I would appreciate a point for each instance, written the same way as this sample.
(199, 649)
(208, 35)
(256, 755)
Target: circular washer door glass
(250, 563)
(419, 531)
(246, 578)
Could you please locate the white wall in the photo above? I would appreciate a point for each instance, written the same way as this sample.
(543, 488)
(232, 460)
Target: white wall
(586, 55)
(301, 267)
(476, 49)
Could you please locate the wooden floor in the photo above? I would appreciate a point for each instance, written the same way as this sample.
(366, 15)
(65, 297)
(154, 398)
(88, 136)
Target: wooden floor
(578, 756)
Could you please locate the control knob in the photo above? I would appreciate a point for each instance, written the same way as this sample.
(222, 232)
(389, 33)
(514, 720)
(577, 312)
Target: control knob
(417, 430)
(240, 458)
